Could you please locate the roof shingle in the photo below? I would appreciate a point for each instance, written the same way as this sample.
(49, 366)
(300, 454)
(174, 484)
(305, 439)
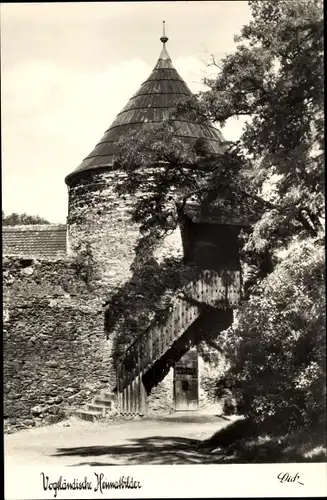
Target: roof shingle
(39, 241)
(152, 103)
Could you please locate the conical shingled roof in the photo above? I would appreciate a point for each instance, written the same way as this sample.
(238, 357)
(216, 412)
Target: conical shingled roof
(152, 103)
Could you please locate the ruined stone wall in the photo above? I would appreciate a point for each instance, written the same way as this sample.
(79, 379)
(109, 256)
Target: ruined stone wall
(55, 352)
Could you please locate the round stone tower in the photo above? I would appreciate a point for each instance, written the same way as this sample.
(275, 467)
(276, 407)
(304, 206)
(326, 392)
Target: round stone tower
(98, 224)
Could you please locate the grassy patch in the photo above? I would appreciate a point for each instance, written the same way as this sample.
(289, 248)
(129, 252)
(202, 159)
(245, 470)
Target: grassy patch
(245, 442)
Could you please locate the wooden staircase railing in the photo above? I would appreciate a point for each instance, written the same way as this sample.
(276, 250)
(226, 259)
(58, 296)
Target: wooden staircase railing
(218, 289)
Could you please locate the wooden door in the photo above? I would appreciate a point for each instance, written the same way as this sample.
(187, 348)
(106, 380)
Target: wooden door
(186, 382)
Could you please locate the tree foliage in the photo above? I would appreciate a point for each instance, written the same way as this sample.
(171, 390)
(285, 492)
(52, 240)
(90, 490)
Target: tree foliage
(275, 79)
(145, 296)
(163, 170)
(24, 219)
(277, 345)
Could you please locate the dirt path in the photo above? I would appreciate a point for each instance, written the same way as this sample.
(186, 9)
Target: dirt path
(73, 443)
(57, 450)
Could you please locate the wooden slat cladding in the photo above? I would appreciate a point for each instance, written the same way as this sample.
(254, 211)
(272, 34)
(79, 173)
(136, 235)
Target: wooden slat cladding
(153, 100)
(164, 87)
(218, 289)
(104, 151)
(165, 74)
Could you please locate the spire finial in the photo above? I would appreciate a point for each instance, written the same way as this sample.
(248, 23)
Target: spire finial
(164, 39)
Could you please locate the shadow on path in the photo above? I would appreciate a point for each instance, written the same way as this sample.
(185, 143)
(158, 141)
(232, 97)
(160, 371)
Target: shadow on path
(239, 442)
(154, 450)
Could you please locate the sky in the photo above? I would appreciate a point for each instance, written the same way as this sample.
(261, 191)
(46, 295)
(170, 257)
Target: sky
(67, 69)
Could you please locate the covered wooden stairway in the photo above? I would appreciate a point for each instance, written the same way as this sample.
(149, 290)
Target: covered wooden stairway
(148, 360)
(210, 232)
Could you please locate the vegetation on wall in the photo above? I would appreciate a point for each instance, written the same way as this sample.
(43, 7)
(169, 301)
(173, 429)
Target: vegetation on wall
(84, 263)
(146, 295)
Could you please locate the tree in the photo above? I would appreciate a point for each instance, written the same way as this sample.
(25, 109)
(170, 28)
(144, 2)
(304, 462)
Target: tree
(22, 219)
(275, 79)
(277, 345)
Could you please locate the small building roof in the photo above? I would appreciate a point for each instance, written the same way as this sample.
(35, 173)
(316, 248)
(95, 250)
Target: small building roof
(38, 241)
(152, 103)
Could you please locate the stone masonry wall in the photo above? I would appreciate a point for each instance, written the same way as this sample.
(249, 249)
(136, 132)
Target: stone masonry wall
(100, 220)
(161, 400)
(55, 352)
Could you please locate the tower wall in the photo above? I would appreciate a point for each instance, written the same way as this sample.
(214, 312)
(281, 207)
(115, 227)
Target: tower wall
(100, 229)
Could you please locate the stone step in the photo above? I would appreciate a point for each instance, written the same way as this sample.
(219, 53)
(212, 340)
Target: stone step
(95, 408)
(108, 396)
(103, 402)
(87, 415)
